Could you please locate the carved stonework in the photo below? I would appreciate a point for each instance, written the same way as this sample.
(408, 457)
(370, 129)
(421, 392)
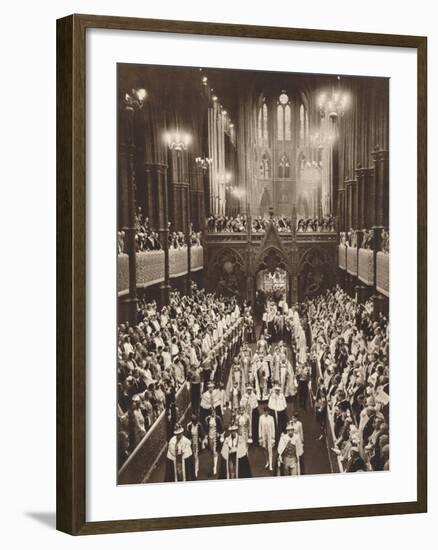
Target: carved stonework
(271, 238)
(316, 271)
(226, 273)
(271, 259)
(232, 260)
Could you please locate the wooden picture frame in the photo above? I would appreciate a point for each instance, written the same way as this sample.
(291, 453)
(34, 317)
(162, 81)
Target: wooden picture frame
(71, 273)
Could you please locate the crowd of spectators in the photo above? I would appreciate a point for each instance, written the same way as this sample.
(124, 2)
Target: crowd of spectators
(238, 224)
(226, 224)
(177, 240)
(282, 223)
(316, 225)
(187, 341)
(350, 238)
(384, 244)
(350, 353)
(147, 239)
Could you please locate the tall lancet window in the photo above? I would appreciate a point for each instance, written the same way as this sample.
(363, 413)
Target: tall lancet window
(306, 131)
(280, 130)
(262, 123)
(302, 122)
(284, 118)
(284, 167)
(287, 123)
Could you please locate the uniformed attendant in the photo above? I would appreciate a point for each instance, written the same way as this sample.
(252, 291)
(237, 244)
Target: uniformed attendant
(179, 458)
(243, 424)
(267, 435)
(250, 404)
(196, 435)
(210, 398)
(234, 456)
(278, 409)
(214, 431)
(290, 449)
(194, 378)
(303, 378)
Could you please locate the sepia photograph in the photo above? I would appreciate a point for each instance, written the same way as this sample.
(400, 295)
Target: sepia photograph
(252, 274)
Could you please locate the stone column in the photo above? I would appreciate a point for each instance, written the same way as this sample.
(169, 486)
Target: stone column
(163, 227)
(381, 175)
(377, 242)
(349, 206)
(188, 233)
(341, 209)
(127, 194)
(150, 201)
(360, 198)
(355, 203)
(368, 194)
(370, 197)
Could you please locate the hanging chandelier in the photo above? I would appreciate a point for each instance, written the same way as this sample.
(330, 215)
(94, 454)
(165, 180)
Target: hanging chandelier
(177, 141)
(333, 104)
(135, 98)
(203, 162)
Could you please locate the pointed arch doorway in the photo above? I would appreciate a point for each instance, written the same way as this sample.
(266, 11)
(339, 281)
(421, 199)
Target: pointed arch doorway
(273, 284)
(272, 280)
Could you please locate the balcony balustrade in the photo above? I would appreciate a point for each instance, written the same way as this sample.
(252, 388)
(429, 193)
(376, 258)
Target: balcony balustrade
(150, 266)
(382, 273)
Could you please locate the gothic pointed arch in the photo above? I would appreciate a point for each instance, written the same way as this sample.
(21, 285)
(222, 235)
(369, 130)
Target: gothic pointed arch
(271, 259)
(272, 253)
(316, 272)
(226, 273)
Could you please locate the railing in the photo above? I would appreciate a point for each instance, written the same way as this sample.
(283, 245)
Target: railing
(352, 260)
(360, 262)
(178, 261)
(141, 462)
(226, 236)
(382, 273)
(150, 266)
(335, 461)
(366, 266)
(122, 274)
(315, 236)
(197, 258)
(258, 236)
(342, 256)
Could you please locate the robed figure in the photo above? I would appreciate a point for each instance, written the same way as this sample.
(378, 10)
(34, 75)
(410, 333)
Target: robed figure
(250, 404)
(234, 456)
(213, 435)
(210, 399)
(278, 409)
(267, 435)
(196, 435)
(290, 449)
(179, 459)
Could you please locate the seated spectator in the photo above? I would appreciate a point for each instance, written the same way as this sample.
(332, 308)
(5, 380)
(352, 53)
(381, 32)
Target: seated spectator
(155, 357)
(351, 349)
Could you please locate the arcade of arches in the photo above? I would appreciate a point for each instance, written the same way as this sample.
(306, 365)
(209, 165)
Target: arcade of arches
(261, 188)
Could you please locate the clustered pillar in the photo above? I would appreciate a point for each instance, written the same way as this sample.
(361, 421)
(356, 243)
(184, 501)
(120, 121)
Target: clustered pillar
(163, 227)
(381, 174)
(127, 190)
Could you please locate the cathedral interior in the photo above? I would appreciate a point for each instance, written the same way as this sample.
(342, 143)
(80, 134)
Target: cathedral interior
(247, 183)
